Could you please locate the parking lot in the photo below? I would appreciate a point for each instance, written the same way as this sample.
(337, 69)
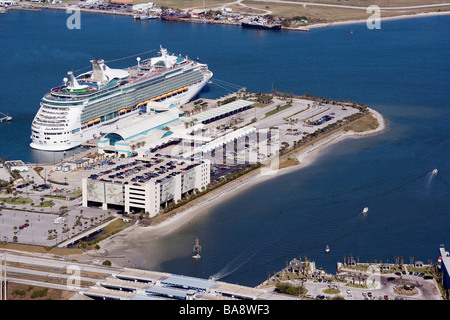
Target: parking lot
(46, 226)
(384, 289)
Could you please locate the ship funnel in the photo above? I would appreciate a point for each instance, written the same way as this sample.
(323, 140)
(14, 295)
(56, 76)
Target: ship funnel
(73, 83)
(98, 66)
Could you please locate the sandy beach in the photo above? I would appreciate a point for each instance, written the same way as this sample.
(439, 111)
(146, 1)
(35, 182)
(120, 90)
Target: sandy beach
(117, 247)
(400, 17)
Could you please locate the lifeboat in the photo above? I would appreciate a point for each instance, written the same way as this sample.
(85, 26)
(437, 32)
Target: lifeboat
(122, 111)
(93, 121)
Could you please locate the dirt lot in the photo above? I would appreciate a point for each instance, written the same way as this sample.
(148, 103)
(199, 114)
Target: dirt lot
(17, 291)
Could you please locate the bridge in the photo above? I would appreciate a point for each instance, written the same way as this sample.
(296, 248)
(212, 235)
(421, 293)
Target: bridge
(99, 282)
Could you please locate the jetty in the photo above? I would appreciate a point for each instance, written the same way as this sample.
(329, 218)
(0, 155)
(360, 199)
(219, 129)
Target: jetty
(4, 117)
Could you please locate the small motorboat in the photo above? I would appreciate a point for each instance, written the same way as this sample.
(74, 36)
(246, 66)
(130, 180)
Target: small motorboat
(365, 210)
(435, 171)
(327, 249)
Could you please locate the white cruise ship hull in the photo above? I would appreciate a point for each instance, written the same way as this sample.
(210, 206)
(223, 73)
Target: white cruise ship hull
(75, 135)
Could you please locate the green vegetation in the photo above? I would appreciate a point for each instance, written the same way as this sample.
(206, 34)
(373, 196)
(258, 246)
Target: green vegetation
(331, 291)
(47, 203)
(39, 293)
(106, 263)
(18, 292)
(276, 110)
(290, 289)
(16, 200)
(111, 229)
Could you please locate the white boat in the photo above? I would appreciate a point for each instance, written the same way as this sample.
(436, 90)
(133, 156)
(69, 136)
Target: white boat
(435, 171)
(365, 210)
(105, 100)
(327, 249)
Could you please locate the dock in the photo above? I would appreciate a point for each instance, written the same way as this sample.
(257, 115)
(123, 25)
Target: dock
(4, 117)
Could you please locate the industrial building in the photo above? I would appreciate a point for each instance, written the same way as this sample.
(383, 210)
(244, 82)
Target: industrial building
(145, 185)
(143, 7)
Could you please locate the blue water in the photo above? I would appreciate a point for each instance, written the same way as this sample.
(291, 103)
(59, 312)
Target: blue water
(402, 70)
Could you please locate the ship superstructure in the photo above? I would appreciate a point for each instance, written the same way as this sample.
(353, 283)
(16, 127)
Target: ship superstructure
(104, 99)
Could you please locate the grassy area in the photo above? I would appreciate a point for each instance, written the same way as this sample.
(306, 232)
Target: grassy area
(366, 123)
(314, 13)
(289, 162)
(39, 249)
(186, 4)
(111, 229)
(19, 200)
(331, 14)
(18, 291)
(45, 204)
(278, 109)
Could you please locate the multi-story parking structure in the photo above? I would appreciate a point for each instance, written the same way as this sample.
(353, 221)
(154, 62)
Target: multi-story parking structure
(145, 185)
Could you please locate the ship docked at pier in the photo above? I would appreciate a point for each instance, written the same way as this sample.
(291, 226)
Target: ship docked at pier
(257, 22)
(102, 100)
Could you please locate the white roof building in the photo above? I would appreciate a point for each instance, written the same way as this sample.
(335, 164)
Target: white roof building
(5, 3)
(143, 7)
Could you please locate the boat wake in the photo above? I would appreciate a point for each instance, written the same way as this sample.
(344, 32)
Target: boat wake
(430, 177)
(235, 264)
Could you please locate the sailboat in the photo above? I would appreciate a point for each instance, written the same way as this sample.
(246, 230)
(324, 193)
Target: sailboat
(197, 250)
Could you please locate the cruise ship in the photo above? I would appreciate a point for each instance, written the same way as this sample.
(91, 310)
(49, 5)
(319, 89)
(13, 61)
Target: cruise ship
(102, 100)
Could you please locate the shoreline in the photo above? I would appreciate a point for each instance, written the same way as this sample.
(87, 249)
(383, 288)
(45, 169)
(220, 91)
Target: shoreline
(116, 247)
(400, 17)
(306, 28)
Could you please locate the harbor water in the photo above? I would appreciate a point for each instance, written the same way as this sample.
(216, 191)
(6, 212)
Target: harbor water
(401, 70)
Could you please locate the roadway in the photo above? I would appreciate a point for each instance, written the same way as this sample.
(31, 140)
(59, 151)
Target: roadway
(99, 281)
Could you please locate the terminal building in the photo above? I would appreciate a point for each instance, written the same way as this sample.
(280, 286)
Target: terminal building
(153, 180)
(162, 122)
(145, 185)
(151, 127)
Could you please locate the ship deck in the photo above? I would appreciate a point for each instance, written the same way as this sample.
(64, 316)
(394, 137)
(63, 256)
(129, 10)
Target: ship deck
(137, 74)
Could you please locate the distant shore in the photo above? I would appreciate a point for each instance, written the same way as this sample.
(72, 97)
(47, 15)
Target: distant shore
(305, 28)
(400, 17)
(116, 247)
